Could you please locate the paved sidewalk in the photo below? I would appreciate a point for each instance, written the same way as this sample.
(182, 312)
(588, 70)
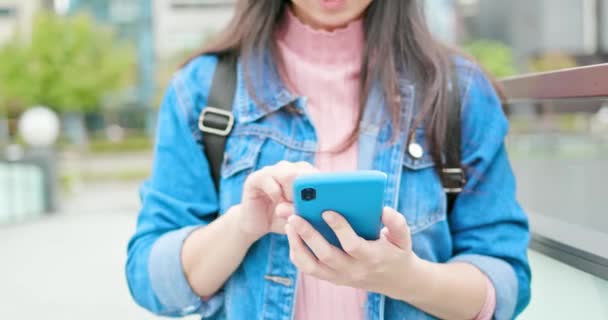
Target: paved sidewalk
(70, 265)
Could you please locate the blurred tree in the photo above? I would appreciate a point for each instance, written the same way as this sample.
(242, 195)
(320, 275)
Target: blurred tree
(166, 70)
(70, 65)
(494, 56)
(15, 89)
(169, 66)
(551, 61)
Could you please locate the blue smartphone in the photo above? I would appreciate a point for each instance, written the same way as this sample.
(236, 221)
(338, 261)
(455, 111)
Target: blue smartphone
(358, 196)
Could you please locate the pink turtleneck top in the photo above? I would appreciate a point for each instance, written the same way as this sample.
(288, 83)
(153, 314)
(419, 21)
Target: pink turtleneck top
(325, 68)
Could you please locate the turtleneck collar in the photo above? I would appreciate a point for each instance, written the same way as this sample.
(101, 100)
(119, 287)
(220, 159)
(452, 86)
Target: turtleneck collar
(344, 45)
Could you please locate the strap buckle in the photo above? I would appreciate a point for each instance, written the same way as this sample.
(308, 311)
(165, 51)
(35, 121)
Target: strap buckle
(453, 180)
(216, 121)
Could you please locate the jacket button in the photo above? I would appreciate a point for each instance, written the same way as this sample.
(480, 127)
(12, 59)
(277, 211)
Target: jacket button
(415, 150)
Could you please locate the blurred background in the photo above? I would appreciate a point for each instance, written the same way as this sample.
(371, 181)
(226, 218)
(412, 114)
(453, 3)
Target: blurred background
(81, 81)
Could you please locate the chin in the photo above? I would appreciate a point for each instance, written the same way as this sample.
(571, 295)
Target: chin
(332, 14)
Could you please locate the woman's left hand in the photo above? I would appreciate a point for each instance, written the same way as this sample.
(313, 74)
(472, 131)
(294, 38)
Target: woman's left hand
(371, 265)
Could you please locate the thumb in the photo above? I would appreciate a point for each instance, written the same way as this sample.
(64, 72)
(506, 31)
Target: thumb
(284, 210)
(396, 229)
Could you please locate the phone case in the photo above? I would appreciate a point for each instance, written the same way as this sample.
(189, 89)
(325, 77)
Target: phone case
(358, 196)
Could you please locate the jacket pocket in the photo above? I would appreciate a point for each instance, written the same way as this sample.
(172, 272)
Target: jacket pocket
(241, 155)
(421, 196)
(241, 158)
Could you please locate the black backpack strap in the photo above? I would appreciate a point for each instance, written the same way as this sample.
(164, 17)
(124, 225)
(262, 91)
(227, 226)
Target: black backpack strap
(453, 177)
(216, 119)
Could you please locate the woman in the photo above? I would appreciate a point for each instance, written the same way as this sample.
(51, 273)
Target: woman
(330, 85)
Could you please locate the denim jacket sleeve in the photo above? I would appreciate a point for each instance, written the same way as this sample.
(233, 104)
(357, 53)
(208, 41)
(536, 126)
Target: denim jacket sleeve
(178, 198)
(489, 228)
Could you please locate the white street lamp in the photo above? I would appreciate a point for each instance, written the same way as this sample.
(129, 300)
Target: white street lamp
(39, 127)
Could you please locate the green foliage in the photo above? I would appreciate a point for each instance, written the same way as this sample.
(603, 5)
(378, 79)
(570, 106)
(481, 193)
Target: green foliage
(494, 56)
(124, 175)
(15, 88)
(130, 144)
(70, 64)
(551, 61)
(167, 67)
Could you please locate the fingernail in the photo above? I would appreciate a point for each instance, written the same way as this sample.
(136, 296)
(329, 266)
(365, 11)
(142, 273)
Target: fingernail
(329, 217)
(293, 221)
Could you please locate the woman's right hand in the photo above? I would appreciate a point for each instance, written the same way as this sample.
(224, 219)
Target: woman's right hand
(264, 191)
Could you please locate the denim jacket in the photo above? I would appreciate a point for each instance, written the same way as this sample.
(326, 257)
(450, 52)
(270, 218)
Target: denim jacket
(487, 227)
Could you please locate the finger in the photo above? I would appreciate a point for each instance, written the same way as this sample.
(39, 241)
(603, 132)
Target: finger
(285, 173)
(305, 167)
(262, 184)
(302, 258)
(281, 213)
(284, 210)
(278, 226)
(396, 229)
(327, 254)
(353, 244)
(272, 189)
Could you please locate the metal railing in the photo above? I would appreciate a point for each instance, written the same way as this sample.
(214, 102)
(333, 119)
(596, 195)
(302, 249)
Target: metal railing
(583, 82)
(27, 187)
(563, 196)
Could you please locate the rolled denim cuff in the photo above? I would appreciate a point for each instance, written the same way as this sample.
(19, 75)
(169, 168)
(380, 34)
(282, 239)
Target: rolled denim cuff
(169, 281)
(502, 276)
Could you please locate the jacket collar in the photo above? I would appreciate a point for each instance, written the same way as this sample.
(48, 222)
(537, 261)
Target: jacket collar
(272, 94)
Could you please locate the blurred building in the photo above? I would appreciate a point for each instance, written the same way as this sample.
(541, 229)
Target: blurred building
(133, 21)
(183, 25)
(442, 19)
(160, 29)
(16, 17)
(534, 27)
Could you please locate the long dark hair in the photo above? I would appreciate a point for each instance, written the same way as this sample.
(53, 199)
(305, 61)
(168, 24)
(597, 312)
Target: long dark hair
(397, 41)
